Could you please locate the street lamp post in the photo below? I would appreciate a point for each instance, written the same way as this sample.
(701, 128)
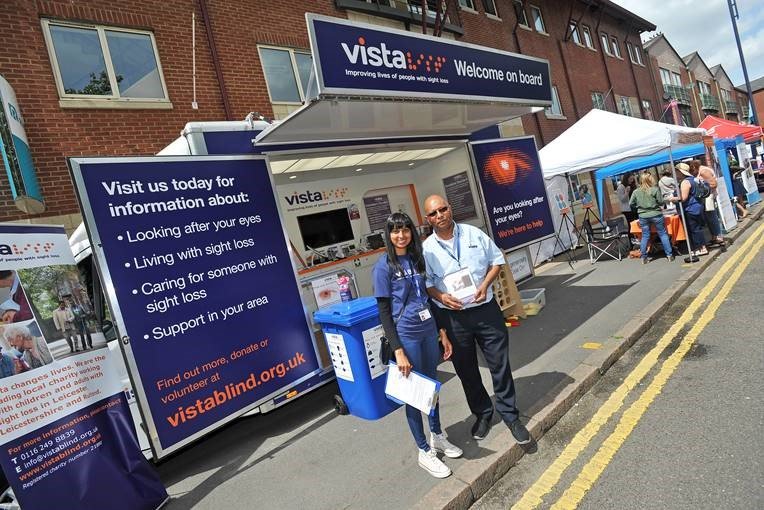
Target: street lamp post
(733, 16)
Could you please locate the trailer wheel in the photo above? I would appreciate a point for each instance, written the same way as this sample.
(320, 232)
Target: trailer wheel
(340, 406)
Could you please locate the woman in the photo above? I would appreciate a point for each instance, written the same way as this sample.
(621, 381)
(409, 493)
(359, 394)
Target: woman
(693, 210)
(738, 191)
(623, 191)
(708, 175)
(647, 199)
(404, 309)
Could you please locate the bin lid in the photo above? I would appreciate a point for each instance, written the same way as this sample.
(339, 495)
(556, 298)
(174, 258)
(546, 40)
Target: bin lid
(347, 313)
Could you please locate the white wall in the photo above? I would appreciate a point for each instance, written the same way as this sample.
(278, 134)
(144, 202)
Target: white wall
(342, 189)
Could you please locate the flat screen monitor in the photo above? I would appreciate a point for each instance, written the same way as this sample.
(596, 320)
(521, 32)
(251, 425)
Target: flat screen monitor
(325, 228)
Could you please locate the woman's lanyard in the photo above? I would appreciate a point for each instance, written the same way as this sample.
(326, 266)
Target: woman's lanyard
(453, 254)
(410, 274)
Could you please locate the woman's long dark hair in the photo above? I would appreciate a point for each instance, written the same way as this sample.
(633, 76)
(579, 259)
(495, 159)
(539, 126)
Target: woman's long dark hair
(396, 221)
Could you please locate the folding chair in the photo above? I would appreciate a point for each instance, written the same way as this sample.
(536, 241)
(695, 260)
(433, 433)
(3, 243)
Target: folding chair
(621, 225)
(602, 242)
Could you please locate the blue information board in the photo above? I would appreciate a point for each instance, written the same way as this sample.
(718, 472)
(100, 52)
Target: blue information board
(353, 58)
(202, 283)
(513, 190)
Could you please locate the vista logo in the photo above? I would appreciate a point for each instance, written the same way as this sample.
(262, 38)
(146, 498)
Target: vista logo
(393, 59)
(14, 249)
(375, 56)
(308, 196)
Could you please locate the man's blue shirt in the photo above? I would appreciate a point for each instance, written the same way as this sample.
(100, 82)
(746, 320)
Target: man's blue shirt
(472, 248)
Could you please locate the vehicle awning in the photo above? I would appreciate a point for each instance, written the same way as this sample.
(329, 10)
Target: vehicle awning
(378, 84)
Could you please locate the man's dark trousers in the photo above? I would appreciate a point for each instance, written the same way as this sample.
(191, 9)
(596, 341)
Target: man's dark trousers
(482, 325)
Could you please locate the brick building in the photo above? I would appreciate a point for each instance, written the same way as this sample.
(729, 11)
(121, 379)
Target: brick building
(757, 90)
(98, 78)
(697, 89)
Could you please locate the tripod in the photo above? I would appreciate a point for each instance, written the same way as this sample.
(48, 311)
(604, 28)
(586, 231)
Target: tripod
(565, 221)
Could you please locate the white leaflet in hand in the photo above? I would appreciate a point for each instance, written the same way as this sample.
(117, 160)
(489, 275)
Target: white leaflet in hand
(460, 285)
(415, 390)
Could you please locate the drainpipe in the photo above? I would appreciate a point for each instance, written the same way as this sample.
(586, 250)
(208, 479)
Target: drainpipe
(722, 101)
(567, 78)
(695, 94)
(659, 92)
(215, 59)
(631, 67)
(519, 50)
(604, 61)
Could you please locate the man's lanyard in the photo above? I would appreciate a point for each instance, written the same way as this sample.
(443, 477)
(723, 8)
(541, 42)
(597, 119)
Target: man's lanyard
(456, 245)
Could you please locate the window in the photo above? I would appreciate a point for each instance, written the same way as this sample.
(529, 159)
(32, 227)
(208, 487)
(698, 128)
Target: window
(538, 19)
(467, 4)
(574, 33)
(287, 74)
(647, 107)
(604, 38)
(489, 6)
(623, 105)
(670, 77)
(522, 19)
(635, 53)
(665, 76)
(616, 47)
(556, 109)
(726, 95)
(106, 63)
(598, 100)
(587, 34)
(704, 88)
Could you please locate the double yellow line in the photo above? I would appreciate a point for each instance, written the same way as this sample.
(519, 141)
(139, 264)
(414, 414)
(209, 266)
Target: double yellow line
(533, 497)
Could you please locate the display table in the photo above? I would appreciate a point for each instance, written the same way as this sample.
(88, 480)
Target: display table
(673, 227)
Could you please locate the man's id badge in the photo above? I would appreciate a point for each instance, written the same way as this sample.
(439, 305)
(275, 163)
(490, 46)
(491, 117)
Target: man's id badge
(424, 314)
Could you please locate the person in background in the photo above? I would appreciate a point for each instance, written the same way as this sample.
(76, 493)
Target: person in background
(409, 326)
(647, 199)
(667, 186)
(477, 322)
(81, 325)
(712, 218)
(738, 189)
(63, 319)
(624, 191)
(693, 210)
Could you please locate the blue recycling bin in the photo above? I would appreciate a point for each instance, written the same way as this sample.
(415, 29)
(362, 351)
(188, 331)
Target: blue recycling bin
(352, 331)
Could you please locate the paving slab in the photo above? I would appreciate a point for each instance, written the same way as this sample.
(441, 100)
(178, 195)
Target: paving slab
(303, 455)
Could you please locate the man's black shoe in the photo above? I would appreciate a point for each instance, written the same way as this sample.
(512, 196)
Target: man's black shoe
(482, 426)
(519, 432)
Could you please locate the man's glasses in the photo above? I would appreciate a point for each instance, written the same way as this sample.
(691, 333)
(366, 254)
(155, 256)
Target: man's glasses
(434, 213)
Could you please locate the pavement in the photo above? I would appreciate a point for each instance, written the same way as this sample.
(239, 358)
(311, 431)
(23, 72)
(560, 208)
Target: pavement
(303, 455)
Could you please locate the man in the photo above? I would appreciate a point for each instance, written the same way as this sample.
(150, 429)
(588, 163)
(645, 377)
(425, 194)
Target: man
(460, 248)
(81, 325)
(63, 318)
(710, 215)
(16, 307)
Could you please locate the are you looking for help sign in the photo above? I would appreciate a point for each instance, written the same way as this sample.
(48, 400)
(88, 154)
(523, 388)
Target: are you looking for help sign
(510, 176)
